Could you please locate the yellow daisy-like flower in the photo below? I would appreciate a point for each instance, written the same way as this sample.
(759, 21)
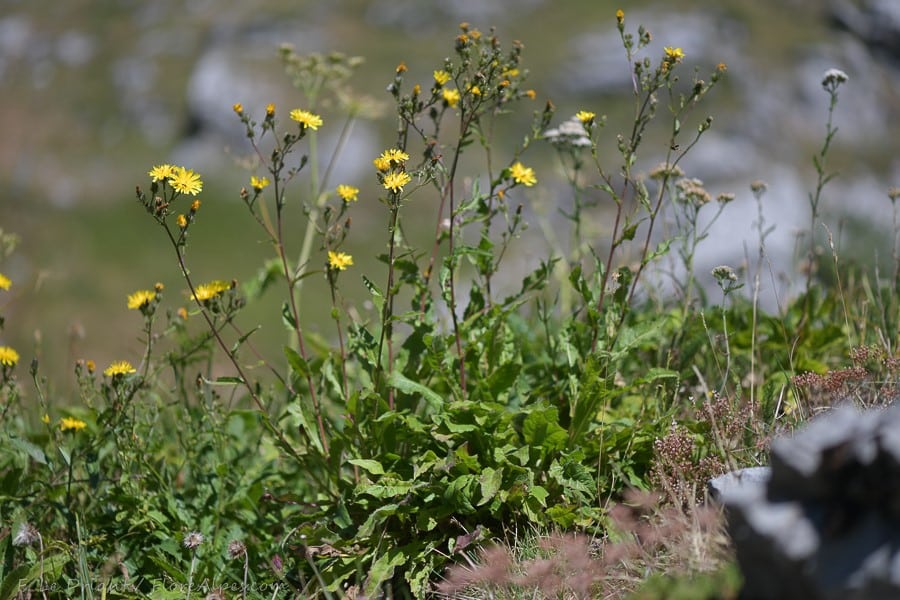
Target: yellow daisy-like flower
(620, 15)
(238, 108)
(71, 424)
(339, 261)
(348, 193)
(259, 183)
(475, 90)
(531, 94)
(5, 282)
(585, 116)
(441, 77)
(119, 368)
(522, 174)
(208, 291)
(140, 299)
(395, 155)
(306, 118)
(161, 172)
(270, 110)
(673, 55)
(396, 180)
(382, 164)
(182, 221)
(185, 181)
(451, 97)
(8, 356)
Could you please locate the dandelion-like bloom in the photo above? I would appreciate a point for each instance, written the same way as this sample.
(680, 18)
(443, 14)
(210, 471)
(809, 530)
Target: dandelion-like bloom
(674, 55)
(182, 221)
(208, 291)
(5, 282)
(585, 116)
(620, 15)
(185, 181)
(161, 172)
(522, 174)
(91, 365)
(531, 94)
(382, 164)
(270, 110)
(27, 535)
(348, 193)
(140, 299)
(238, 108)
(396, 180)
(71, 424)
(259, 183)
(119, 368)
(193, 539)
(475, 90)
(451, 97)
(8, 356)
(395, 155)
(441, 77)
(306, 118)
(339, 261)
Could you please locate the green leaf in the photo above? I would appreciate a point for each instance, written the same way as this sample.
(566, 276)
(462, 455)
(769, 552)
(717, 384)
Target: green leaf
(30, 449)
(382, 570)
(490, 479)
(372, 466)
(400, 382)
(541, 428)
(298, 363)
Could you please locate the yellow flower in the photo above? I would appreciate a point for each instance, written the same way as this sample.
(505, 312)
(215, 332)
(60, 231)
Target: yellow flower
(185, 181)
(259, 183)
(475, 90)
(451, 97)
(396, 180)
(721, 67)
(71, 424)
(45, 419)
(182, 221)
(161, 172)
(91, 366)
(348, 193)
(270, 110)
(140, 299)
(382, 164)
(522, 174)
(4, 282)
(119, 368)
(401, 68)
(585, 116)
(306, 119)
(510, 73)
(339, 261)
(620, 15)
(195, 206)
(238, 108)
(531, 94)
(208, 291)
(395, 155)
(441, 77)
(8, 356)
(673, 55)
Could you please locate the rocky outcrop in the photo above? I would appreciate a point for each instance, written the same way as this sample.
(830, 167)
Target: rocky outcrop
(824, 521)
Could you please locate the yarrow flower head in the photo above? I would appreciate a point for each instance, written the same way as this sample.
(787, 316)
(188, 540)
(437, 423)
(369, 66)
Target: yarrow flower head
(306, 118)
(339, 261)
(832, 79)
(5, 282)
(8, 356)
(451, 97)
(71, 424)
(259, 183)
(119, 369)
(140, 299)
(348, 193)
(522, 174)
(208, 291)
(395, 181)
(185, 181)
(570, 133)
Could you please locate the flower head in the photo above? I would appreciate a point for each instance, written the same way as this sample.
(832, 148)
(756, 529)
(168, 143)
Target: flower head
(348, 193)
(395, 181)
(522, 174)
(140, 299)
(451, 97)
(238, 108)
(236, 549)
(441, 77)
(673, 55)
(258, 183)
(193, 539)
(832, 78)
(585, 116)
(8, 356)
(306, 119)
(208, 291)
(182, 221)
(161, 172)
(119, 368)
(71, 424)
(389, 158)
(570, 133)
(339, 261)
(185, 181)
(270, 110)
(5, 283)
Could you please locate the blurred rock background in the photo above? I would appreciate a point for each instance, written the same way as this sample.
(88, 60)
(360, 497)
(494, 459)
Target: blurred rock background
(96, 92)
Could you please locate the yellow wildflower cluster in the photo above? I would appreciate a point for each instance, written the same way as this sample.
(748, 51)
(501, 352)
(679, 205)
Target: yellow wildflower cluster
(140, 299)
(71, 424)
(8, 356)
(119, 369)
(339, 261)
(441, 77)
(182, 180)
(522, 174)
(306, 118)
(451, 97)
(348, 193)
(259, 183)
(208, 291)
(5, 282)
